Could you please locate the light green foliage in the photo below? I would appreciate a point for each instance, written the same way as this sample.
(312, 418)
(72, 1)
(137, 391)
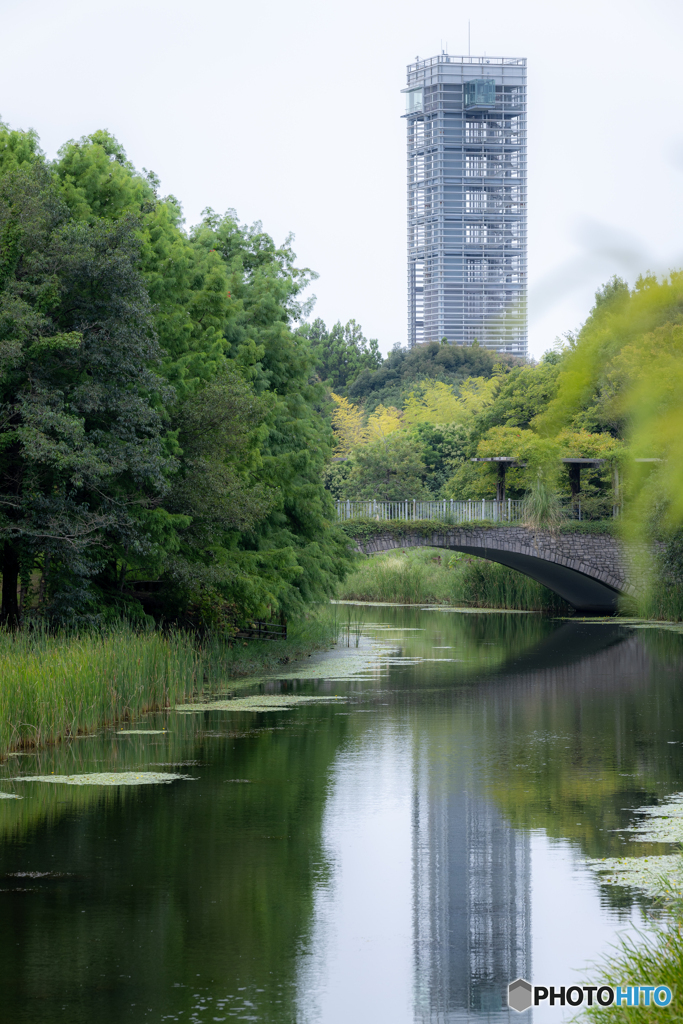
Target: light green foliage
(403, 369)
(524, 393)
(470, 481)
(598, 368)
(436, 402)
(658, 956)
(542, 509)
(18, 149)
(404, 577)
(187, 284)
(625, 371)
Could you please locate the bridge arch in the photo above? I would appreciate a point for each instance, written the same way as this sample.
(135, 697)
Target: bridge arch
(590, 571)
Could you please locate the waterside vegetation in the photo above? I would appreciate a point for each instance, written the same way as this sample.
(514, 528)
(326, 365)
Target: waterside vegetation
(433, 576)
(655, 956)
(58, 686)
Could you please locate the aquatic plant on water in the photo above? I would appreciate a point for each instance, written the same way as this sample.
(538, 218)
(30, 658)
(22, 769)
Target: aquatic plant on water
(260, 702)
(105, 778)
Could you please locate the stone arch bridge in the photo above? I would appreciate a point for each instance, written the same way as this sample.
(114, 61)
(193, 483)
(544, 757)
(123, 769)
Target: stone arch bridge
(589, 570)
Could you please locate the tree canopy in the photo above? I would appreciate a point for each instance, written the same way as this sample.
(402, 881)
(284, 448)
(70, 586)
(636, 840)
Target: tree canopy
(577, 402)
(342, 353)
(162, 429)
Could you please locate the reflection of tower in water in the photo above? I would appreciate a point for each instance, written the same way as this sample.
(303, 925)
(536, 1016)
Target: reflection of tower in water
(472, 903)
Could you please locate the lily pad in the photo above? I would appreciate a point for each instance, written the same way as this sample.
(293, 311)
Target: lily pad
(141, 732)
(662, 823)
(260, 702)
(657, 876)
(105, 778)
(10, 796)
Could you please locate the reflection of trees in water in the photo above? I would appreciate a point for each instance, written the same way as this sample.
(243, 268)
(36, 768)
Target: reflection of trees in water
(569, 747)
(575, 733)
(201, 887)
(573, 748)
(482, 641)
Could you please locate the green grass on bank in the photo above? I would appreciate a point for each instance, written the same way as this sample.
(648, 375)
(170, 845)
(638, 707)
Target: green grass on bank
(652, 959)
(53, 687)
(433, 576)
(663, 600)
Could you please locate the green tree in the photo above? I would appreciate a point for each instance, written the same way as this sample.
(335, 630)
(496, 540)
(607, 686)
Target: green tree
(403, 368)
(342, 353)
(389, 469)
(444, 450)
(83, 457)
(297, 552)
(227, 384)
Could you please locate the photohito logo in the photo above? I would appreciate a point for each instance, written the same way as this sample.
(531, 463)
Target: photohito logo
(522, 995)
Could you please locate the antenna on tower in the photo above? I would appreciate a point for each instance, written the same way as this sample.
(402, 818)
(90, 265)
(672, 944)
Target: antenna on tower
(468, 38)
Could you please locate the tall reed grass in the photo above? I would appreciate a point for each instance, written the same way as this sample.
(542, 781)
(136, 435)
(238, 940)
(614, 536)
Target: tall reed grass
(427, 576)
(52, 687)
(654, 959)
(491, 585)
(397, 578)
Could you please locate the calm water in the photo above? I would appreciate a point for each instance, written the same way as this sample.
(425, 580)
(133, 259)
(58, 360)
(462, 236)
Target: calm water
(397, 858)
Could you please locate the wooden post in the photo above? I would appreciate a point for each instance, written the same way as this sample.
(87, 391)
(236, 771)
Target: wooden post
(575, 478)
(616, 488)
(500, 482)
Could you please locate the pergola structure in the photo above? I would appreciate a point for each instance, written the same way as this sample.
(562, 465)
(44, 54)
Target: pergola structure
(502, 461)
(508, 461)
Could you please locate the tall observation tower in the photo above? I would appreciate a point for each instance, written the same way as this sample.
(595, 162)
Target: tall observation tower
(466, 119)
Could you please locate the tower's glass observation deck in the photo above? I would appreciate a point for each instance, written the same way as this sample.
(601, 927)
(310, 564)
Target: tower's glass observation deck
(466, 119)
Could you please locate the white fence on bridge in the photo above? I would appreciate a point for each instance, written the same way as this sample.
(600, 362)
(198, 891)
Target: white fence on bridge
(447, 510)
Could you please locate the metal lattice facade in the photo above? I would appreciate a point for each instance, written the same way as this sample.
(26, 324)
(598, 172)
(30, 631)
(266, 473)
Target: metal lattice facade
(467, 194)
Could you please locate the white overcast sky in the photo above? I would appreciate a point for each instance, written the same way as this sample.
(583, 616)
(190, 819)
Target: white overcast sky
(291, 113)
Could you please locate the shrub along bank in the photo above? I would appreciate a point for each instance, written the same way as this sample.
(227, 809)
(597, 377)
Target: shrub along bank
(363, 528)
